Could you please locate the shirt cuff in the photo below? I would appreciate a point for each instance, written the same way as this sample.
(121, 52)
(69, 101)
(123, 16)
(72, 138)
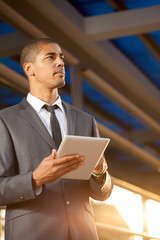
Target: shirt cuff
(99, 179)
(38, 190)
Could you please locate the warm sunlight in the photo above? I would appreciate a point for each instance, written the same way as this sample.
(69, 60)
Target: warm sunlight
(153, 217)
(129, 205)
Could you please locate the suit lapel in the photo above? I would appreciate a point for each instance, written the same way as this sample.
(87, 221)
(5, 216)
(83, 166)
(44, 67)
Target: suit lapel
(71, 119)
(31, 116)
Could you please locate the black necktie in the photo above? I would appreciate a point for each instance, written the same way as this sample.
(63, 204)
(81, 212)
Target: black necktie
(56, 131)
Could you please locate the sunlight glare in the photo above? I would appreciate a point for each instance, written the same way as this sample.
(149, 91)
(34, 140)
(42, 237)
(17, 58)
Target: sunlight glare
(129, 206)
(153, 217)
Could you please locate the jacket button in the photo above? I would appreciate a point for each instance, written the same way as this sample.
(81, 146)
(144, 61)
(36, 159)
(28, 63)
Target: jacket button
(21, 198)
(68, 202)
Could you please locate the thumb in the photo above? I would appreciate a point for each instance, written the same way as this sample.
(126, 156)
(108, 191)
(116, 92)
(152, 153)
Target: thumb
(53, 154)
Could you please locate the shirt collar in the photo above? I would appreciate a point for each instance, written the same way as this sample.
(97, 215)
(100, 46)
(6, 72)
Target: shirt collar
(37, 103)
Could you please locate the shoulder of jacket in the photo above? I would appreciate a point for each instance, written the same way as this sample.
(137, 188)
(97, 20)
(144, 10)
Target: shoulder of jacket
(77, 111)
(10, 110)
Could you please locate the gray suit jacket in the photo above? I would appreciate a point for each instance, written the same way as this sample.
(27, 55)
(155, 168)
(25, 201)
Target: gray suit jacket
(62, 204)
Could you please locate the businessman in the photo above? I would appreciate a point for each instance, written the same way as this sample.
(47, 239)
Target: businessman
(39, 203)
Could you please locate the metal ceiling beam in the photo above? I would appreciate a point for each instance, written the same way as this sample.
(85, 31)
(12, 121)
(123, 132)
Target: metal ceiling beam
(123, 23)
(141, 136)
(27, 28)
(120, 99)
(136, 189)
(152, 46)
(128, 147)
(104, 115)
(11, 44)
(72, 13)
(98, 111)
(144, 91)
(145, 137)
(13, 80)
(151, 147)
(147, 40)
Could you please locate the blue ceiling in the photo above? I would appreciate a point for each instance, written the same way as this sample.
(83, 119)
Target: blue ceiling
(135, 50)
(91, 8)
(98, 7)
(131, 46)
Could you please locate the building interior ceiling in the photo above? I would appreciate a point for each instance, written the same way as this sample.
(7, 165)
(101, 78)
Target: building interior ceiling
(112, 54)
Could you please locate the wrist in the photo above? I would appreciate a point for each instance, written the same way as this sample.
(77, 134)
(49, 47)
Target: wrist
(36, 184)
(99, 174)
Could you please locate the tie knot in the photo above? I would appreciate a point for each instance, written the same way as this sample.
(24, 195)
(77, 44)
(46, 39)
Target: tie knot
(50, 108)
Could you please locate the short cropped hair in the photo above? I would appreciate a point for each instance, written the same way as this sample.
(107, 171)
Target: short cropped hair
(32, 48)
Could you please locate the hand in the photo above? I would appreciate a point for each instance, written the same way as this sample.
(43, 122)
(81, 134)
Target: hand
(52, 168)
(101, 166)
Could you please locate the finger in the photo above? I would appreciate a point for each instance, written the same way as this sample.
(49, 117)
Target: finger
(67, 159)
(78, 162)
(54, 153)
(69, 168)
(70, 165)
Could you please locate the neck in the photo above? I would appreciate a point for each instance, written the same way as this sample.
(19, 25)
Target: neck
(49, 97)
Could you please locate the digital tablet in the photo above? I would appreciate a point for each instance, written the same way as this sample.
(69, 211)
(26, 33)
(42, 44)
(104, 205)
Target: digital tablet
(92, 148)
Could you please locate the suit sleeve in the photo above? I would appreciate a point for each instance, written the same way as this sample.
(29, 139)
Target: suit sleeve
(14, 187)
(100, 191)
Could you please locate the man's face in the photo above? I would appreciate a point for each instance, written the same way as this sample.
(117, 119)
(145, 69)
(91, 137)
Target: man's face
(48, 67)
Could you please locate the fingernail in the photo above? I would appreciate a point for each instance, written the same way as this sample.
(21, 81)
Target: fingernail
(81, 163)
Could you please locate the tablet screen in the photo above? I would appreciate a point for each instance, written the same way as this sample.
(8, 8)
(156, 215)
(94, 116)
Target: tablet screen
(92, 148)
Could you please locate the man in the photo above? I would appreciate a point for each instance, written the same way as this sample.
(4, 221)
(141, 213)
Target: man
(40, 204)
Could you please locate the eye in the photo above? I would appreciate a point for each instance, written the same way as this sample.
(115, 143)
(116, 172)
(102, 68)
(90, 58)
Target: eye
(51, 57)
(62, 57)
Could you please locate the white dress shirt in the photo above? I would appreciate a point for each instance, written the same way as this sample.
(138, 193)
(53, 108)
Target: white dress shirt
(44, 115)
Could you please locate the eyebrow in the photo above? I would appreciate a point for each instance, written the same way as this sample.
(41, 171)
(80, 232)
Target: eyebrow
(53, 53)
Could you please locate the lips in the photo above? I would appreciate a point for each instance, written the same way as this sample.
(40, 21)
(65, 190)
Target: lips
(59, 71)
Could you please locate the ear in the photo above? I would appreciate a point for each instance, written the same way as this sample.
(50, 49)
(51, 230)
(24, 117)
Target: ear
(28, 69)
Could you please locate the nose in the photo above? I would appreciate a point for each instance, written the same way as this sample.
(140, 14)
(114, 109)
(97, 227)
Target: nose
(59, 62)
